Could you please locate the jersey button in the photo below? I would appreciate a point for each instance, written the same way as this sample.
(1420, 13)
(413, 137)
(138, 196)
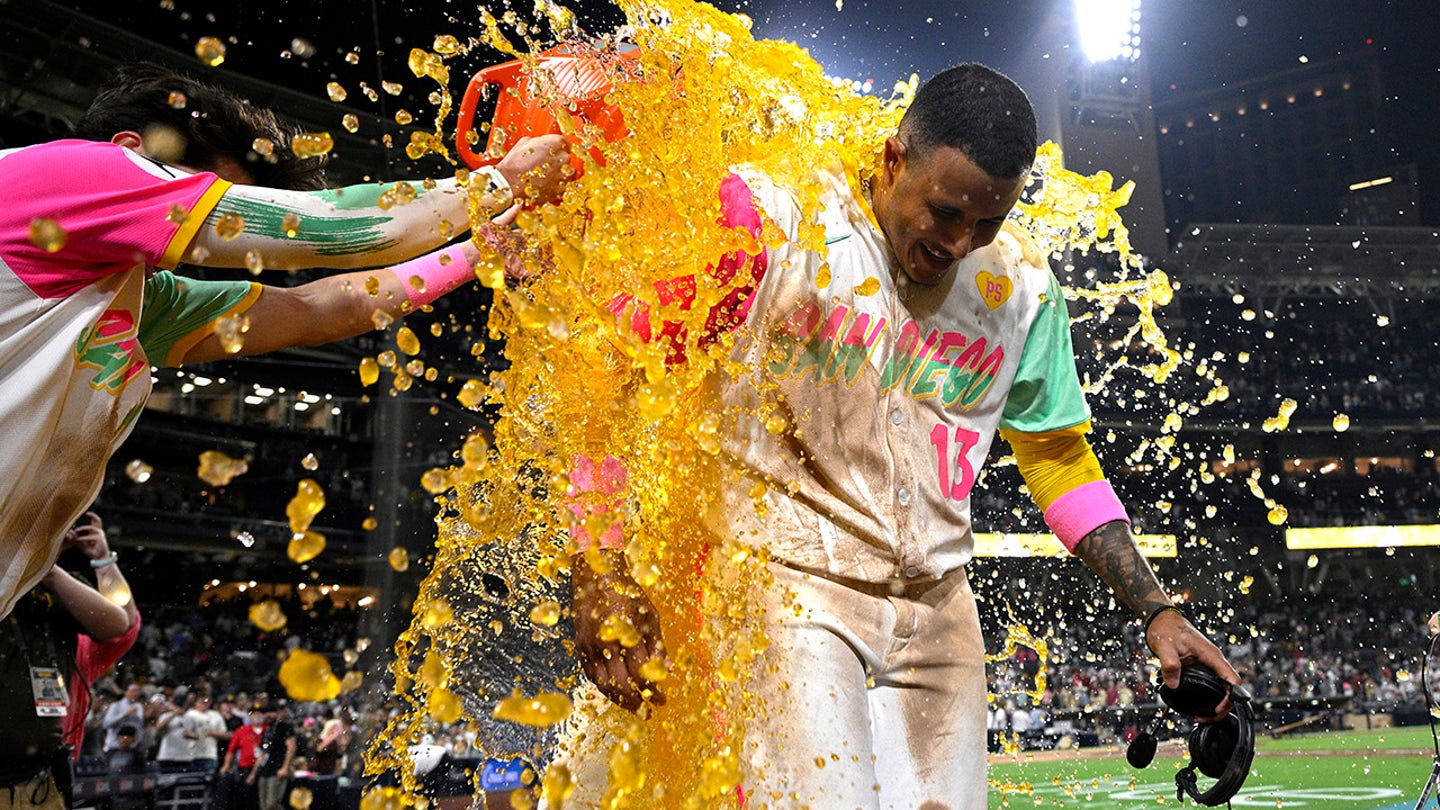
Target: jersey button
(912, 571)
(903, 495)
(896, 417)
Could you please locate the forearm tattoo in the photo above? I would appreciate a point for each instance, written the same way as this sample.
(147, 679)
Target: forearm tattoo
(1111, 552)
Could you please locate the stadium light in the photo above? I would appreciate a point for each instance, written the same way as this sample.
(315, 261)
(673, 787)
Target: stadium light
(1109, 29)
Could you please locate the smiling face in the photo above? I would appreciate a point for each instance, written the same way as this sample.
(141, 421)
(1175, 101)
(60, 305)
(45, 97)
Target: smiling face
(935, 206)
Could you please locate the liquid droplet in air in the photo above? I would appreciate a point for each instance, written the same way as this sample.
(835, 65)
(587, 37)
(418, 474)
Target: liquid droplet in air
(336, 92)
(309, 500)
(1340, 423)
(868, 287)
(369, 371)
(229, 226)
(210, 50)
(311, 144)
(307, 677)
(218, 469)
(267, 615)
(301, 798)
(138, 471)
(399, 559)
(545, 709)
(407, 341)
(305, 546)
(546, 614)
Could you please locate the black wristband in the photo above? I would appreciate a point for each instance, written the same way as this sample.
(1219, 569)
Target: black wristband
(1154, 614)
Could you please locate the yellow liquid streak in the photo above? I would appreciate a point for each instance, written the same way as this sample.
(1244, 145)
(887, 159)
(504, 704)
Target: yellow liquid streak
(712, 97)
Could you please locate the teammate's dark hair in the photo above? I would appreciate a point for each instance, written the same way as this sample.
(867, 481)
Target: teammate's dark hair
(212, 122)
(978, 110)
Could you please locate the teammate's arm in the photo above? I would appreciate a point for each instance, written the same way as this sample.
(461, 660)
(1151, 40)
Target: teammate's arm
(368, 225)
(341, 306)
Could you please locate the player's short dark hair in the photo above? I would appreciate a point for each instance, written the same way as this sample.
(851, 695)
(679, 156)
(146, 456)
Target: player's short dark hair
(214, 123)
(978, 110)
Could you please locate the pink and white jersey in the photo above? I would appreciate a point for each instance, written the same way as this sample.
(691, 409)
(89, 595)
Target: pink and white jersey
(73, 376)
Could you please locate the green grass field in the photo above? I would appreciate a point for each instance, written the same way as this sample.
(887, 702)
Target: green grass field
(1351, 770)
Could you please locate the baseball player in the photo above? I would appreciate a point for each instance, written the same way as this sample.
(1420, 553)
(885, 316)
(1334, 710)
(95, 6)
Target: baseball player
(892, 362)
(171, 170)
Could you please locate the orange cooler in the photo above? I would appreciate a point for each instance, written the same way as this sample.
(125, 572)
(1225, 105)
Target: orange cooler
(578, 79)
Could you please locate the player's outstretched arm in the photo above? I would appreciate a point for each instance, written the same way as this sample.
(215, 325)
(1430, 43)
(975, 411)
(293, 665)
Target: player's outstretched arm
(341, 306)
(1111, 552)
(369, 225)
(617, 631)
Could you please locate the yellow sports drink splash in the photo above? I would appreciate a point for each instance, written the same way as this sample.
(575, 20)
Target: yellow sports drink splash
(698, 95)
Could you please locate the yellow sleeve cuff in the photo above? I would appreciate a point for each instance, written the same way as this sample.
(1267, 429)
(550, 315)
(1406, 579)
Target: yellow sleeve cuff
(194, 220)
(1055, 462)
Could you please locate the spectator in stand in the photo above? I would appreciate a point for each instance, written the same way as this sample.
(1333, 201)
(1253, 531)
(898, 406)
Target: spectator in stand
(210, 728)
(232, 714)
(236, 788)
(94, 658)
(37, 656)
(273, 770)
(178, 735)
(330, 747)
(129, 710)
(126, 758)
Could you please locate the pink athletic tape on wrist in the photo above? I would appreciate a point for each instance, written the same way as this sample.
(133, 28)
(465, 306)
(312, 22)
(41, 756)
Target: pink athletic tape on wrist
(1083, 510)
(592, 491)
(437, 277)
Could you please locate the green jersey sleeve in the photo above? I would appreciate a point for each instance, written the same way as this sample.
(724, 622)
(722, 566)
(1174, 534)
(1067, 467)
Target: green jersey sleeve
(179, 312)
(1046, 392)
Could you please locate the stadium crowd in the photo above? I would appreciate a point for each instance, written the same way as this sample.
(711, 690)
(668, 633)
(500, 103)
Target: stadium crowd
(1317, 647)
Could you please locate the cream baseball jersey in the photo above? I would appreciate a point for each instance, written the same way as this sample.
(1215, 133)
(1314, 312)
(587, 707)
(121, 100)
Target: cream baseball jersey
(73, 373)
(871, 402)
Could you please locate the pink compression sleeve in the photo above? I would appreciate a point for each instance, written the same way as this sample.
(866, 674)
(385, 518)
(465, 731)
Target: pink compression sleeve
(597, 490)
(438, 273)
(1083, 510)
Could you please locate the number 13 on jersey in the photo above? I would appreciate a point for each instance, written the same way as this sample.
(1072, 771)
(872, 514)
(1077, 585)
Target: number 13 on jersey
(955, 486)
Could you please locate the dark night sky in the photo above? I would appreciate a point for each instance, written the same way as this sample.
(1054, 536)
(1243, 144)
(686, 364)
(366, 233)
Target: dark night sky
(1192, 45)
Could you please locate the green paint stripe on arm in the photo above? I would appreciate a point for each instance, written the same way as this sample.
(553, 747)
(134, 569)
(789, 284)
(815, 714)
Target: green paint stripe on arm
(328, 236)
(351, 198)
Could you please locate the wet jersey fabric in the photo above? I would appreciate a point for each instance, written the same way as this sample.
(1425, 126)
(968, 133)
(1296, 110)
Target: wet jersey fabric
(871, 402)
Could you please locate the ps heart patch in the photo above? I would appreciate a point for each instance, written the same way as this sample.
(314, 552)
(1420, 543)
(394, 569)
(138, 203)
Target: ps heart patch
(994, 289)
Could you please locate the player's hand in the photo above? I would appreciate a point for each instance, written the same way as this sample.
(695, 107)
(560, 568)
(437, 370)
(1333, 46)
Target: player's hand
(607, 605)
(1434, 625)
(89, 536)
(1176, 643)
(537, 168)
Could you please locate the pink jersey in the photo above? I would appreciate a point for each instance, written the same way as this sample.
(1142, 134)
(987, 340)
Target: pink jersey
(73, 376)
